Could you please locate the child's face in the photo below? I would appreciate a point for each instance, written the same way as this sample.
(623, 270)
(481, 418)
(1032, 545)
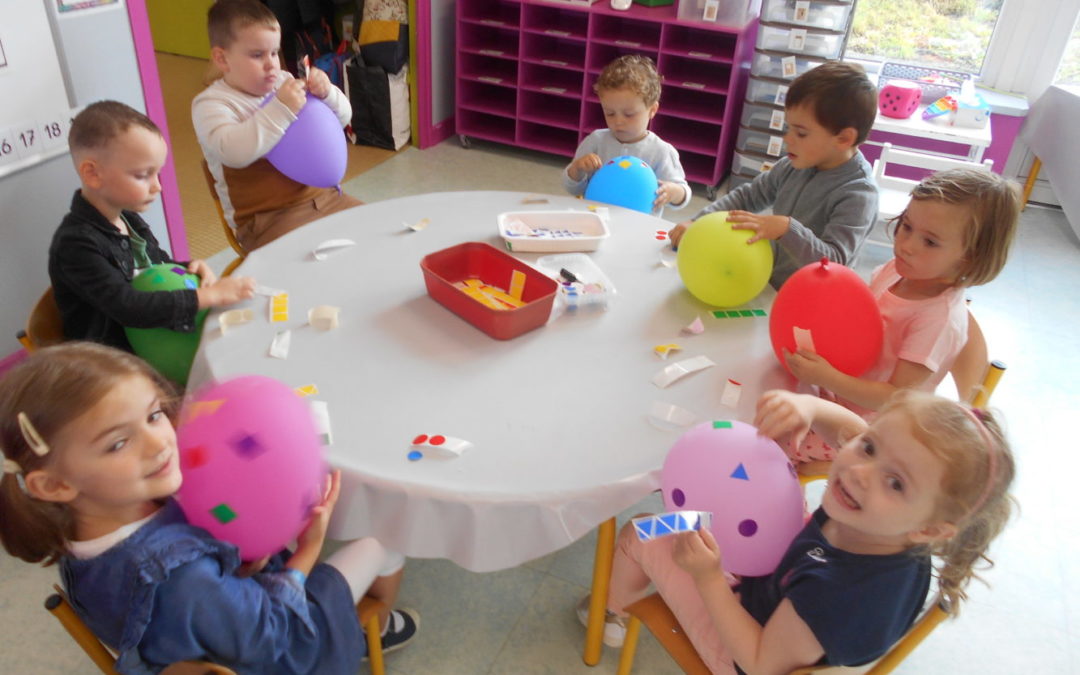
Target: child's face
(251, 62)
(884, 485)
(127, 172)
(118, 455)
(811, 145)
(929, 242)
(626, 114)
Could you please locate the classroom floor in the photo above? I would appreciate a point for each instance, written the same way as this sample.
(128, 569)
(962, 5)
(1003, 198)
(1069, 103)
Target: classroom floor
(522, 621)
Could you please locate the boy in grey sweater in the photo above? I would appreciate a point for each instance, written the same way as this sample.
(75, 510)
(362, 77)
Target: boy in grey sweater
(822, 194)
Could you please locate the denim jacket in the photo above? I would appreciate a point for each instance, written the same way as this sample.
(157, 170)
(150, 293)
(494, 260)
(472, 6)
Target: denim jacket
(169, 593)
(91, 267)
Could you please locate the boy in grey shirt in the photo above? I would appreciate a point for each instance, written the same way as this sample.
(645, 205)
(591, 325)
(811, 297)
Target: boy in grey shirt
(822, 194)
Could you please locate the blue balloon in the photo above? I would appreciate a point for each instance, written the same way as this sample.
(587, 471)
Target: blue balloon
(624, 181)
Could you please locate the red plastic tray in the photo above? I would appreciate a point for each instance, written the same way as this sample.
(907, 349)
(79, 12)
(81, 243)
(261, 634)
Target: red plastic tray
(477, 260)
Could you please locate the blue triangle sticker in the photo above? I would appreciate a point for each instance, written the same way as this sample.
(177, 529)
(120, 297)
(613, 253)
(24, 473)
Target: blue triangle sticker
(740, 472)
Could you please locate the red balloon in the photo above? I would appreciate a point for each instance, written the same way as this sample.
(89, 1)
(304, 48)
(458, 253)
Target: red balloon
(836, 306)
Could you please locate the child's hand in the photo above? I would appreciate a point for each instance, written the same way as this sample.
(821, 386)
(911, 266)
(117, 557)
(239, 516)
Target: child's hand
(675, 234)
(291, 93)
(783, 413)
(314, 532)
(252, 568)
(203, 271)
(669, 192)
(697, 554)
(764, 227)
(226, 291)
(583, 166)
(809, 367)
(318, 83)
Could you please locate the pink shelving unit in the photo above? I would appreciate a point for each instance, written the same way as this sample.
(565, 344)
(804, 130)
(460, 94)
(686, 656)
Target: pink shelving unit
(526, 69)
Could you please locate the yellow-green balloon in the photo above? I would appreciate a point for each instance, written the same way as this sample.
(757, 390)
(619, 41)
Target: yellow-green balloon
(717, 265)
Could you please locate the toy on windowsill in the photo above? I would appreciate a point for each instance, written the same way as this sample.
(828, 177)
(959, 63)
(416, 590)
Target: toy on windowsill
(971, 110)
(942, 106)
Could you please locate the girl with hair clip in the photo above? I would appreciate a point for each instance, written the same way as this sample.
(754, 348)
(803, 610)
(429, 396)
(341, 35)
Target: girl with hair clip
(90, 463)
(928, 478)
(955, 233)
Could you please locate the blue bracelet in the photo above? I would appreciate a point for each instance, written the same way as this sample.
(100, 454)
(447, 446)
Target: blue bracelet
(296, 574)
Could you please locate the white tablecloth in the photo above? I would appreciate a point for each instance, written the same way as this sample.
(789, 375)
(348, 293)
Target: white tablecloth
(1050, 130)
(558, 417)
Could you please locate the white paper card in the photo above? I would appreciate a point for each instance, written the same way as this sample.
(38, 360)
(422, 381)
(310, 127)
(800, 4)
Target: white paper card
(781, 95)
(802, 10)
(797, 40)
(670, 417)
(320, 411)
(681, 369)
(775, 144)
(804, 341)
(776, 122)
(712, 10)
(787, 67)
(732, 394)
(279, 347)
(233, 318)
(330, 246)
(652, 527)
(324, 317)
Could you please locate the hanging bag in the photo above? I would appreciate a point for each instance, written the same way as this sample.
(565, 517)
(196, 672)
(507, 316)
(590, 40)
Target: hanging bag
(368, 90)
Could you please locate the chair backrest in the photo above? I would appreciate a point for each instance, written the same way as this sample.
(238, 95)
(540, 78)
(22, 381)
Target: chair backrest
(59, 607)
(229, 234)
(44, 326)
(894, 191)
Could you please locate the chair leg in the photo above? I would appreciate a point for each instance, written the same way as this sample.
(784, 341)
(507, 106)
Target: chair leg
(368, 610)
(1029, 184)
(605, 553)
(231, 266)
(629, 646)
(65, 614)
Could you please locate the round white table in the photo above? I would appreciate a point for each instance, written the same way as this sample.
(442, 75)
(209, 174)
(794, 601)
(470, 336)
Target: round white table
(558, 417)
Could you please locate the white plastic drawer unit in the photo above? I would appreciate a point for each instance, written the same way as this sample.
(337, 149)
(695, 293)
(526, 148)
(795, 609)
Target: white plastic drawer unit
(768, 118)
(769, 144)
(827, 14)
(782, 65)
(772, 92)
(805, 41)
(750, 165)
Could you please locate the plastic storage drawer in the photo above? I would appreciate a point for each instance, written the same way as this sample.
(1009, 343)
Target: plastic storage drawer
(782, 65)
(761, 142)
(825, 45)
(773, 92)
(748, 164)
(763, 117)
(826, 14)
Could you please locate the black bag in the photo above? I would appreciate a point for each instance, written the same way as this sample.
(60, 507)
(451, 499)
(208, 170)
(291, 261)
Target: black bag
(369, 93)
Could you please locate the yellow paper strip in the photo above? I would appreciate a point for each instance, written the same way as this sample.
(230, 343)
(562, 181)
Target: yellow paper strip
(307, 390)
(279, 308)
(504, 297)
(481, 297)
(517, 284)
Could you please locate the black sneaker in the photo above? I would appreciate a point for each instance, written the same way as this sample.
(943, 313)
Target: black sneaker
(402, 627)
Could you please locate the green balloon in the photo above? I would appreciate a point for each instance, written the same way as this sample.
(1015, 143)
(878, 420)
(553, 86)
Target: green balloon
(717, 265)
(170, 352)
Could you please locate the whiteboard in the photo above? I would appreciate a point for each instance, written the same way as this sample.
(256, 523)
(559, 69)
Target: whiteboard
(34, 111)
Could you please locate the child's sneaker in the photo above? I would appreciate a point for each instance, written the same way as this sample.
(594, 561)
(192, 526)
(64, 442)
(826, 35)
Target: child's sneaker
(614, 625)
(401, 628)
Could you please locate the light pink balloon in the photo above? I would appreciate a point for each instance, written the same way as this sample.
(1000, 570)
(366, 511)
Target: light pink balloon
(252, 463)
(748, 484)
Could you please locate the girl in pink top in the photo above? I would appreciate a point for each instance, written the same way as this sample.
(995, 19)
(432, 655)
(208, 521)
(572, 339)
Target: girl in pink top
(955, 233)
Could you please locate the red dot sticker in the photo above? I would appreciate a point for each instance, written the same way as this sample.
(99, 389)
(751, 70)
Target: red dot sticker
(419, 439)
(438, 440)
(661, 237)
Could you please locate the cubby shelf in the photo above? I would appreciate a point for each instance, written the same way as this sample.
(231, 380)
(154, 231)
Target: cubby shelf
(526, 68)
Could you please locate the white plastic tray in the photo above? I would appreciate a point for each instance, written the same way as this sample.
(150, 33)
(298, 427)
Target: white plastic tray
(587, 272)
(552, 230)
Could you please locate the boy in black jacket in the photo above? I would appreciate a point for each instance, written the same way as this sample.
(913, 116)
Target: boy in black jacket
(102, 242)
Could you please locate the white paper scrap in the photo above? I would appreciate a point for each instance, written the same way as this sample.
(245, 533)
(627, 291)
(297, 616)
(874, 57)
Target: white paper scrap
(442, 446)
(804, 341)
(680, 369)
(330, 246)
(268, 291)
(732, 394)
(418, 225)
(279, 348)
(668, 256)
(324, 317)
(673, 522)
(670, 417)
(320, 410)
(234, 317)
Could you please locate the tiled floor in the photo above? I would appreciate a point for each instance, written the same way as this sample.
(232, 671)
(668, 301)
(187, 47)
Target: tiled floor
(521, 621)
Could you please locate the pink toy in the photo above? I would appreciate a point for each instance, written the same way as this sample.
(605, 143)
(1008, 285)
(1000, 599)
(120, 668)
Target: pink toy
(835, 305)
(252, 463)
(899, 99)
(748, 485)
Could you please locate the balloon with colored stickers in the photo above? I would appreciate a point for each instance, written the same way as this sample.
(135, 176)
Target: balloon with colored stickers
(624, 181)
(170, 352)
(252, 462)
(746, 482)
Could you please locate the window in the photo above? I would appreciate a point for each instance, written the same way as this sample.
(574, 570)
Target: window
(943, 34)
(1069, 70)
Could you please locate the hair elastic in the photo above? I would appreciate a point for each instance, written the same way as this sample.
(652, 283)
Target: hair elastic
(976, 416)
(32, 437)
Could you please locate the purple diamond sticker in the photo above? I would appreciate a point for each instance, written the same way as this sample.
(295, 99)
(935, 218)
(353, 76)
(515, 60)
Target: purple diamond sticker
(247, 446)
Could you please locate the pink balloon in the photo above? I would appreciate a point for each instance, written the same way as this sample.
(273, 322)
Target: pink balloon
(313, 150)
(748, 484)
(252, 463)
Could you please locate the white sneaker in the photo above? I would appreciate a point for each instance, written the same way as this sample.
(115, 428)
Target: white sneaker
(614, 625)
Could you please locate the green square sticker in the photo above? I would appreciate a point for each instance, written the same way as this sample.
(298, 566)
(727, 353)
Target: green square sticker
(719, 313)
(721, 424)
(223, 513)
(759, 312)
(745, 312)
(733, 314)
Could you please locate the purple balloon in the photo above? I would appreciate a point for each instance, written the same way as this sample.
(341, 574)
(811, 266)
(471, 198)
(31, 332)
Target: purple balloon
(313, 150)
(747, 483)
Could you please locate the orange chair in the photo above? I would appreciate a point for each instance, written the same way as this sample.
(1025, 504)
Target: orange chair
(230, 236)
(58, 605)
(44, 327)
